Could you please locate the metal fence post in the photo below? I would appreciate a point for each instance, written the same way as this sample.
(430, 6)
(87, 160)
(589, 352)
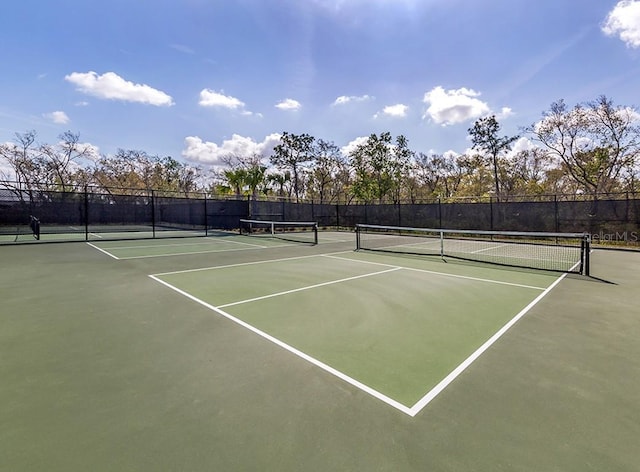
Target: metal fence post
(86, 213)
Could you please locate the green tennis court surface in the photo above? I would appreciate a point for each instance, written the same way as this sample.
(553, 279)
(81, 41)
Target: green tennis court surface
(242, 353)
(398, 330)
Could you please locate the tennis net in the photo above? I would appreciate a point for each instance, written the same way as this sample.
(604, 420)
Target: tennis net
(296, 231)
(560, 252)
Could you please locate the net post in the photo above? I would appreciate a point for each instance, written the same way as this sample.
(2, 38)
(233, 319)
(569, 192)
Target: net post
(358, 238)
(86, 213)
(206, 218)
(315, 234)
(442, 244)
(586, 256)
(153, 214)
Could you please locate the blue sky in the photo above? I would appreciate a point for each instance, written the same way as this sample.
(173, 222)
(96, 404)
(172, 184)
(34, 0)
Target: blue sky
(196, 79)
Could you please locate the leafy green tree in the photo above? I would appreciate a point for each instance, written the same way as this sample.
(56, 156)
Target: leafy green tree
(255, 178)
(281, 180)
(380, 167)
(246, 172)
(328, 163)
(293, 154)
(400, 166)
(475, 178)
(236, 179)
(484, 136)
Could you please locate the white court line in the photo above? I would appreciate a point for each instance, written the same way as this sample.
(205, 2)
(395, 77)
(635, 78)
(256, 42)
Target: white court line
(424, 401)
(180, 253)
(166, 255)
(246, 244)
(488, 248)
(429, 396)
(420, 404)
(177, 244)
(210, 251)
(250, 263)
(158, 245)
(331, 282)
(443, 274)
(103, 251)
(332, 241)
(365, 388)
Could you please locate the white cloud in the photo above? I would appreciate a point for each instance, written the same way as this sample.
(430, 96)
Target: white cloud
(206, 152)
(58, 117)
(624, 21)
(448, 107)
(111, 86)
(505, 112)
(209, 98)
(289, 104)
(522, 144)
(451, 154)
(344, 99)
(397, 111)
(349, 147)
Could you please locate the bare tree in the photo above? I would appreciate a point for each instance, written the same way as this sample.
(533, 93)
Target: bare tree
(525, 173)
(25, 163)
(596, 142)
(65, 159)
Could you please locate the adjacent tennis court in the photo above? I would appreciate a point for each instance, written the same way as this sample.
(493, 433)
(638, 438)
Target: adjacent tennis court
(265, 351)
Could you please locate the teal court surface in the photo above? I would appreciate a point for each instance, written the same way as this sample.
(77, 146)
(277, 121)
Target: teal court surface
(252, 353)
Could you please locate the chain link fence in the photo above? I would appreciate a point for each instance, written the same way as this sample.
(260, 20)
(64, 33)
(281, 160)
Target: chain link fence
(93, 214)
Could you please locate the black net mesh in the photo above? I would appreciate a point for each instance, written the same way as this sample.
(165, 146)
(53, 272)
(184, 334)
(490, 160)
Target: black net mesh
(83, 213)
(545, 251)
(225, 214)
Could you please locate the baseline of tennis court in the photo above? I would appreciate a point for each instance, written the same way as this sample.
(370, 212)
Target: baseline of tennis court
(222, 242)
(166, 247)
(400, 332)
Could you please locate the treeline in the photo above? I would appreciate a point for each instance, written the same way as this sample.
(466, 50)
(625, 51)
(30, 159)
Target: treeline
(590, 149)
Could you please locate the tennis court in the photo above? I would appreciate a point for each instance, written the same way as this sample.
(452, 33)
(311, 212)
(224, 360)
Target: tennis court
(236, 352)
